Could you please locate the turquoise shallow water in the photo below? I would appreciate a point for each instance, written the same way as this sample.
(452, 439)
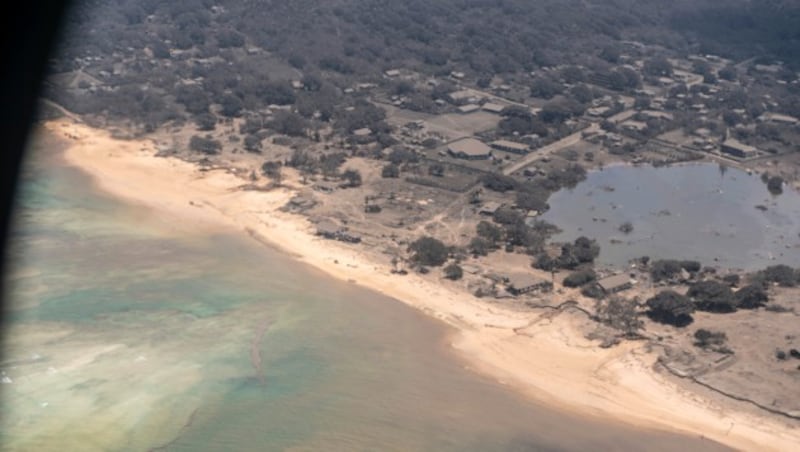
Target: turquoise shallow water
(124, 335)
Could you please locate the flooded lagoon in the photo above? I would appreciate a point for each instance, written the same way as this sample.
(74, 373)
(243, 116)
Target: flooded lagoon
(721, 217)
(126, 334)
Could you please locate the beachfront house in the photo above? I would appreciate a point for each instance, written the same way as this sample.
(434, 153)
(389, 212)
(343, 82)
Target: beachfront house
(615, 283)
(522, 283)
(738, 149)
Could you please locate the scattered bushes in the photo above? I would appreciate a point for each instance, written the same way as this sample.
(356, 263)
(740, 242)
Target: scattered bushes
(498, 182)
(775, 185)
(398, 156)
(579, 278)
(593, 291)
(352, 178)
(453, 272)
(390, 171)
(489, 232)
(582, 251)
(751, 297)
(204, 145)
(783, 275)
(711, 340)
(479, 246)
(666, 269)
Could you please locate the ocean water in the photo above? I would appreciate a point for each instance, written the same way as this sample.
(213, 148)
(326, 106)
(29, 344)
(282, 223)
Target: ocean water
(126, 334)
(690, 211)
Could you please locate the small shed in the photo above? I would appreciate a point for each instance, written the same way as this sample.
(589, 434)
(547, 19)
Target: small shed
(460, 97)
(615, 283)
(522, 283)
(492, 107)
(489, 208)
(510, 146)
(328, 229)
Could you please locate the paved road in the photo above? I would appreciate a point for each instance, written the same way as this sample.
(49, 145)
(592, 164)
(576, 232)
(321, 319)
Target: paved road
(567, 141)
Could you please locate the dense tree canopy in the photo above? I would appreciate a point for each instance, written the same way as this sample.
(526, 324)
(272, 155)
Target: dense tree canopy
(712, 296)
(429, 251)
(671, 308)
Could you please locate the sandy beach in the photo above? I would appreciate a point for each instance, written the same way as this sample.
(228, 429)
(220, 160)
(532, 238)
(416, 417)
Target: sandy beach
(545, 359)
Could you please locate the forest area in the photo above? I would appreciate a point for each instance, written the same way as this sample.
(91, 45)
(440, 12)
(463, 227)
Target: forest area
(335, 43)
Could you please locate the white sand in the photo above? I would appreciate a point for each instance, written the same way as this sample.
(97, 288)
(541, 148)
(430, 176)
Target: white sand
(549, 362)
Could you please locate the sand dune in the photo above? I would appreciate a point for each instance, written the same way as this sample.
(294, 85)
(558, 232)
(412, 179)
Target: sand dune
(548, 361)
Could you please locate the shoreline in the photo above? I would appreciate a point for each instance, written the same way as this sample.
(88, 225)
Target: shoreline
(550, 362)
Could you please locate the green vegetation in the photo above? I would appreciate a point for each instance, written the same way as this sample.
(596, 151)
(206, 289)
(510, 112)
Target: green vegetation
(582, 251)
(593, 291)
(751, 297)
(429, 251)
(204, 145)
(783, 275)
(390, 171)
(711, 340)
(453, 272)
(498, 182)
(479, 246)
(775, 185)
(273, 171)
(712, 296)
(580, 278)
(666, 269)
(671, 308)
(352, 178)
(489, 232)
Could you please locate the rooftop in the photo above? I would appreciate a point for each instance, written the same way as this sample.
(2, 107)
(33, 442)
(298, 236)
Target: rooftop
(490, 206)
(510, 145)
(736, 144)
(634, 125)
(493, 107)
(461, 95)
(523, 280)
(777, 117)
(613, 282)
(469, 146)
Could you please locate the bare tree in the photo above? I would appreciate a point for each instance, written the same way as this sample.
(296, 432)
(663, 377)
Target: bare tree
(621, 314)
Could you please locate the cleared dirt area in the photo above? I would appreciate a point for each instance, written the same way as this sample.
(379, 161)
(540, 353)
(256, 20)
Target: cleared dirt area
(753, 370)
(451, 125)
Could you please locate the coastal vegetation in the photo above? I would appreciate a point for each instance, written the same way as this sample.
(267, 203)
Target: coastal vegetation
(671, 308)
(428, 251)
